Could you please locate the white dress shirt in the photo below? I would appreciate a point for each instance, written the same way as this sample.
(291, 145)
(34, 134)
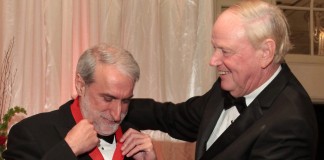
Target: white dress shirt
(106, 149)
(228, 116)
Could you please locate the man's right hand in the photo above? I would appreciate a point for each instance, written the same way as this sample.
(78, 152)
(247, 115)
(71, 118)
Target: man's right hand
(82, 137)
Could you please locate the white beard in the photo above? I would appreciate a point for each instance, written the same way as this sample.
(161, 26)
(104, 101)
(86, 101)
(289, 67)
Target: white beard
(95, 117)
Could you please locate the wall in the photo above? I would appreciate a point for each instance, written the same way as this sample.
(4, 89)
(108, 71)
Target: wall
(309, 70)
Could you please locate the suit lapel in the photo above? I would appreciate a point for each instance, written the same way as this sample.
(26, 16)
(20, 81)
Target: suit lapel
(256, 109)
(65, 123)
(212, 112)
(243, 122)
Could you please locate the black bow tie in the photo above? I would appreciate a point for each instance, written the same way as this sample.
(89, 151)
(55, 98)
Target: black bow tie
(230, 101)
(108, 139)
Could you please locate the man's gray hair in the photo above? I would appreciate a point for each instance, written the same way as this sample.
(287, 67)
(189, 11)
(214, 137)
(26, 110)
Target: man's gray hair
(262, 21)
(106, 54)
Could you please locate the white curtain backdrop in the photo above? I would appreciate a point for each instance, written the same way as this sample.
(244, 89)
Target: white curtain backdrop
(170, 39)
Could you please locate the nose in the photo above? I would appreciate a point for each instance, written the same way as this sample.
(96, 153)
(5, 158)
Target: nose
(216, 58)
(116, 111)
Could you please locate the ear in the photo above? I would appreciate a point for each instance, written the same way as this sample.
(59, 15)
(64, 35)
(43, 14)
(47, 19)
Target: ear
(79, 85)
(268, 48)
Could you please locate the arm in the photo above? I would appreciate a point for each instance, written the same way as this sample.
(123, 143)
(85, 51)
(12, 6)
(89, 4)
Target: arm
(181, 121)
(22, 145)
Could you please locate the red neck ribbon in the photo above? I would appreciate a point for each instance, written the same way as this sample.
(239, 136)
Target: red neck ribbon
(95, 153)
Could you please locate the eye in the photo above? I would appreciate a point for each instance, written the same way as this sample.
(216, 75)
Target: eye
(227, 53)
(126, 101)
(221, 50)
(108, 99)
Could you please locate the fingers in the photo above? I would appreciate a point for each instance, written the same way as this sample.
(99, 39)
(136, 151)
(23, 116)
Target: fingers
(128, 140)
(135, 142)
(127, 134)
(82, 137)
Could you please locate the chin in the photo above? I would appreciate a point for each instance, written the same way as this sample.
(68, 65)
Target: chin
(226, 86)
(107, 130)
(106, 133)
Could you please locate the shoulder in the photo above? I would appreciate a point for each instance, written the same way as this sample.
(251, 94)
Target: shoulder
(125, 125)
(35, 122)
(45, 119)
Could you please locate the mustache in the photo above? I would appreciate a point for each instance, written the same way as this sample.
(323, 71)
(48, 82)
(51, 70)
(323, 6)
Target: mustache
(110, 118)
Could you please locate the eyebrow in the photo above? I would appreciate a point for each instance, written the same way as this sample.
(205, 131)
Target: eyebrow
(114, 97)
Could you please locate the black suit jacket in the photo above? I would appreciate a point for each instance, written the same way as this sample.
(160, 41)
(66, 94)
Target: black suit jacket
(42, 137)
(280, 123)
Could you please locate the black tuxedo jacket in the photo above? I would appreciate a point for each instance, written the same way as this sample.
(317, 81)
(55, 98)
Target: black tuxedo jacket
(42, 137)
(280, 123)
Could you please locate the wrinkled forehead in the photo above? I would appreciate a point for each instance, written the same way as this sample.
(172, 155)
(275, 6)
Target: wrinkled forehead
(109, 79)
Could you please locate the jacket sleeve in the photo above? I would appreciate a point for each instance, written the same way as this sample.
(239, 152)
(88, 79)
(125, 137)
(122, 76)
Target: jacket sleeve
(23, 145)
(179, 120)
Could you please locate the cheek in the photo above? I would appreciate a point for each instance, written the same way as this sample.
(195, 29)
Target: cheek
(97, 104)
(234, 64)
(92, 97)
(239, 67)
(247, 73)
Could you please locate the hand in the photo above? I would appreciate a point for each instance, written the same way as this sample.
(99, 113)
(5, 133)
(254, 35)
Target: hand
(137, 145)
(82, 137)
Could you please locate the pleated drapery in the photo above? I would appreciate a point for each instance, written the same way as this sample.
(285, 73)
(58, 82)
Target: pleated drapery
(170, 39)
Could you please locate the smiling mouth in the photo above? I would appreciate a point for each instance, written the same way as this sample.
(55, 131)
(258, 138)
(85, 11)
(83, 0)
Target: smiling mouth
(223, 72)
